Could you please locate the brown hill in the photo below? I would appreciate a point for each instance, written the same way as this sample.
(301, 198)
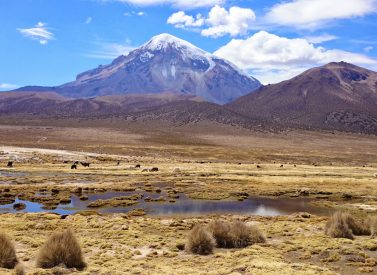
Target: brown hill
(52, 104)
(336, 96)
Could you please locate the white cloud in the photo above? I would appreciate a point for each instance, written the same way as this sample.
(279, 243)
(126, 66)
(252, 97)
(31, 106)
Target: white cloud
(321, 38)
(139, 13)
(181, 20)
(40, 32)
(186, 4)
(314, 13)
(368, 49)
(273, 58)
(7, 86)
(109, 50)
(235, 21)
(88, 20)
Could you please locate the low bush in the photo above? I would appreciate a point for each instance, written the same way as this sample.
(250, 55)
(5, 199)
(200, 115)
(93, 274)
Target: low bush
(8, 258)
(244, 235)
(221, 232)
(236, 234)
(373, 225)
(337, 227)
(61, 248)
(358, 227)
(200, 241)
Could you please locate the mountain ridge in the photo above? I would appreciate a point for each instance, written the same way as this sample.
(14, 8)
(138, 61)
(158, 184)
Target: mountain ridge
(163, 64)
(334, 96)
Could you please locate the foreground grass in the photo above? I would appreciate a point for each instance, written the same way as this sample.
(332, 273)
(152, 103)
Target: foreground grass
(122, 244)
(118, 244)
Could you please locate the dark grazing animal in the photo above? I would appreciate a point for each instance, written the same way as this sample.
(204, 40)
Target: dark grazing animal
(85, 164)
(258, 166)
(73, 166)
(118, 163)
(281, 166)
(154, 169)
(137, 166)
(10, 164)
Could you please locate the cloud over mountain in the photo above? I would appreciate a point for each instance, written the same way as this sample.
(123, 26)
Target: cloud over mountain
(314, 13)
(219, 22)
(268, 55)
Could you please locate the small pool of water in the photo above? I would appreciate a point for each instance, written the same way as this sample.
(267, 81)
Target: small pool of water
(183, 206)
(12, 174)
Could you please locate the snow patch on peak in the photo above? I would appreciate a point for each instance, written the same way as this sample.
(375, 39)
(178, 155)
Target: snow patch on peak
(145, 57)
(165, 40)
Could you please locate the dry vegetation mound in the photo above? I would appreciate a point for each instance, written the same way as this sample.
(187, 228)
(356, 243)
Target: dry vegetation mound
(343, 225)
(200, 241)
(236, 234)
(61, 248)
(8, 258)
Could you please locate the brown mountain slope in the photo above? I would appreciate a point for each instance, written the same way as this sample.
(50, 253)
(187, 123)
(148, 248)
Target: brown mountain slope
(52, 104)
(169, 107)
(336, 96)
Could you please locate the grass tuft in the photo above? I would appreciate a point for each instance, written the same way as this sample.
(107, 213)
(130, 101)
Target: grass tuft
(19, 269)
(337, 226)
(359, 227)
(244, 235)
(8, 258)
(373, 225)
(61, 248)
(221, 232)
(236, 234)
(200, 241)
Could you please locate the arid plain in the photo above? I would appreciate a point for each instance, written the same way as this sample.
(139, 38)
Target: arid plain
(296, 178)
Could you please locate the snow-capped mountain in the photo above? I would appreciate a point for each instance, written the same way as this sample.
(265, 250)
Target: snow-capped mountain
(163, 64)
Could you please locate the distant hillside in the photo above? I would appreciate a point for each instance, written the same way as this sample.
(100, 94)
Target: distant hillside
(336, 96)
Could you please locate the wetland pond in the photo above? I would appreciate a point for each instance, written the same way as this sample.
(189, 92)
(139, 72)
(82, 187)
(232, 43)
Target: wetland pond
(160, 205)
(154, 204)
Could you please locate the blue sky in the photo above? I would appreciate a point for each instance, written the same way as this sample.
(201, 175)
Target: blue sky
(48, 42)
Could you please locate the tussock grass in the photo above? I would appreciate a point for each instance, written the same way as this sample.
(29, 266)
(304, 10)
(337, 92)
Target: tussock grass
(200, 241)
(373, 225)
(236, 234)
(19, 269)
(8, 258)
(244, 235)
(221, 232)
(337, 226)
(61, 248)
(358, 227)
(344, 225)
